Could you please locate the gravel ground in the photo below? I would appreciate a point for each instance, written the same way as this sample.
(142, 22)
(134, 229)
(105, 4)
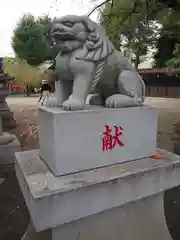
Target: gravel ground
(14, 216)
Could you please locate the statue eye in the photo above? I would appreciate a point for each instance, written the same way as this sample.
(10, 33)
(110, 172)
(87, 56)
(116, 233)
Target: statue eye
(68, 24)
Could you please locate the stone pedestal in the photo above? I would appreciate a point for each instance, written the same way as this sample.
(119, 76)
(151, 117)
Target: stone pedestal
(94, 176)
(74, 141)
(124, 200)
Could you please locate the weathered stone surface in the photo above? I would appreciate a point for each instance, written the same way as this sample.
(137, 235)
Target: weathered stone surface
(6, 138)
(145, 218)
(72, 141)
(8, 120)
(140, 220)
(53, 201)
(1, 180)
(7, 151)
(7, 116)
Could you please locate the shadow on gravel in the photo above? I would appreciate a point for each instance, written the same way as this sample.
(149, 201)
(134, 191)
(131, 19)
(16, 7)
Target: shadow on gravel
(14, 216)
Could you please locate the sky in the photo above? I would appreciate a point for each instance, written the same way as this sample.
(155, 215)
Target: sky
(12, 10)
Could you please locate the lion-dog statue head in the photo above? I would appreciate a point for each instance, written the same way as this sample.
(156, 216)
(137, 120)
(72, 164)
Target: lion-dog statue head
(79, 32)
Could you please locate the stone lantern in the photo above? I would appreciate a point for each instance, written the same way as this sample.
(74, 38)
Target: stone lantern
(5, 113)
(9, 144)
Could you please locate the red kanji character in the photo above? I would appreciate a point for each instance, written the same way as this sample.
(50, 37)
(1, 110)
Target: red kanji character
(109, 141)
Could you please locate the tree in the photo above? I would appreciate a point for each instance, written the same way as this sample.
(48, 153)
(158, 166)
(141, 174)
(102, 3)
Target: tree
(31, 40)
(130, 28)
(138, 16)
(174, 61)
(165, 47)
(24, 72)
(169, 36)
(142, 40)
(155, 6)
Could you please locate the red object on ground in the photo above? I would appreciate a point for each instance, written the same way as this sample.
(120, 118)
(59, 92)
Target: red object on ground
(156, 157)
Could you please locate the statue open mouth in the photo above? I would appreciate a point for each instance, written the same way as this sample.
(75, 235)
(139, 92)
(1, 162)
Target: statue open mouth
(64, 36)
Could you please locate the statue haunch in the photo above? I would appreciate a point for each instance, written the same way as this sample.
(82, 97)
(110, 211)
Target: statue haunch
(88, 61)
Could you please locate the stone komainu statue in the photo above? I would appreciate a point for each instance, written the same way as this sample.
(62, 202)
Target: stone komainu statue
(87, 61)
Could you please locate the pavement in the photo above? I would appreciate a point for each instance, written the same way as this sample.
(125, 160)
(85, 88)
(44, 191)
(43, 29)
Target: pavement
(22, 101)
(168, 103)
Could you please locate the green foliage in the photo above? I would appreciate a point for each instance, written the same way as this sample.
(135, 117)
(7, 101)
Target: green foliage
(24, 72)
(112, 17)
(174, 62)
(169, 18)
(143, 39)
(165, 47)
(170, 3)
(136, 26)
(132, 25)
(130, 28)
(30, 40)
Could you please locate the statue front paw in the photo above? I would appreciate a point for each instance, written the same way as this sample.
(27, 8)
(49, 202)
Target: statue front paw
(120, 101)
(73, 104)
(53, 102)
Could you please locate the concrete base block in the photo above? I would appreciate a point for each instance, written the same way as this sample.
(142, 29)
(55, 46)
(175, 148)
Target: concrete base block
(7, 151)
(55, 201)
(75, 141)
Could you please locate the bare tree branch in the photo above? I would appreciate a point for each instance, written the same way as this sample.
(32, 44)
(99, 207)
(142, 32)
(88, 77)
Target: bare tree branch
(98, 6)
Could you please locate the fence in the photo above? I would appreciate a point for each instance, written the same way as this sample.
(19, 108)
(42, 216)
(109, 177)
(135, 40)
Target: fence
(160, 84)
(158, 91)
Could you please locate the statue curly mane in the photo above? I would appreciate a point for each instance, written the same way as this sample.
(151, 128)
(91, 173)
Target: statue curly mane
(98, 46)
